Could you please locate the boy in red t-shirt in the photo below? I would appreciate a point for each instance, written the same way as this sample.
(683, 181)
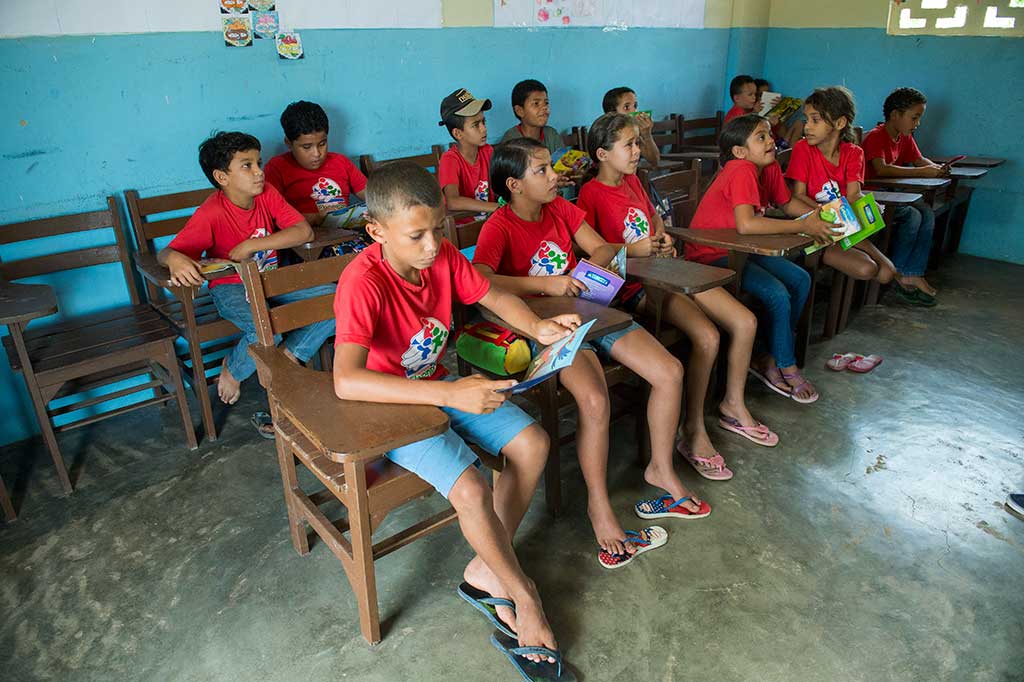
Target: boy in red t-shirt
(891, 152)
(743, 92)
(243, 219)
(393, 310)
(312, 179)
(464, 169)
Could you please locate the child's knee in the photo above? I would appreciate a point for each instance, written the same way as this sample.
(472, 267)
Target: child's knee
(706, 340)
(669, 371)
(744, 326)
(593, 403)
(864, 269)
(531, 445)
(470, 492)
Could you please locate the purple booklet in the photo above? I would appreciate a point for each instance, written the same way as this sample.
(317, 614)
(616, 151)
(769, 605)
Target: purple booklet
(602, 284)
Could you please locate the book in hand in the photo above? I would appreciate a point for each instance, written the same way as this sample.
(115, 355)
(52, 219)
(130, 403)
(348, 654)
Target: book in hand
(551, 360)
(859, 221)
(349, 217)
(208, 266)
(571, 161)
(784, 108)
(602, 284)
(768, 100)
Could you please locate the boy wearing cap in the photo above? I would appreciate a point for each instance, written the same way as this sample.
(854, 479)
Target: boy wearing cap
(463, 170)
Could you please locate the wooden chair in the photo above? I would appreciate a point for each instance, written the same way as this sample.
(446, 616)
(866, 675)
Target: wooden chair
(573, 139)
(700, 134)
(681, 189)
(189, 309)
(430, 161)
(667, 134)
(342, 443)
(83, 354)
(549, 396)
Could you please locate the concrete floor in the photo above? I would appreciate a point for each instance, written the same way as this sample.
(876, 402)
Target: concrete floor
(870, 545)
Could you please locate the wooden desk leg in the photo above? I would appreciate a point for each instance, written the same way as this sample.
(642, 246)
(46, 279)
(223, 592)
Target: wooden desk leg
(737, 261)
(363, 576)
(39, 405)
(957, 220)
(803, 325)
(5, 502)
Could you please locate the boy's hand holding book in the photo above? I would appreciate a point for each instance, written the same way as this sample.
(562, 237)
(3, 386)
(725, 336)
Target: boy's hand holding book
(475, 394)
(184, 270)
(563, 285)
(663, 246)
(549, 330)
(820, 230)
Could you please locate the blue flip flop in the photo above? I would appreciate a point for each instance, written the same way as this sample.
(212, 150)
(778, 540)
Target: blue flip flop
(487, 605)
(545, 671)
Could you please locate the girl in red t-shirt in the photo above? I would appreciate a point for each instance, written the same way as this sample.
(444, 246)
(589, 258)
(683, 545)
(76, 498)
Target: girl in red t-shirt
(827, 165)
(751, 180)
(619, 209)
(526, 247)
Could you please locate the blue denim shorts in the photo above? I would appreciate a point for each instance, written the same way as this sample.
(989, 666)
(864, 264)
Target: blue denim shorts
(441, 459)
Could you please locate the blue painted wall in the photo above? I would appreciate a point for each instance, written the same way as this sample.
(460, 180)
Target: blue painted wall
(747, 48)
(974, 93)
(84, 117)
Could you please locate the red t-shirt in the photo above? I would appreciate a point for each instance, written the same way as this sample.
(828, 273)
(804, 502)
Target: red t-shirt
(307, 190)
(515, 247)
(824, 181)
(471, 179)
(737, 184)
(736, 112)
(218, 226)
(877, 144)
(405, 326)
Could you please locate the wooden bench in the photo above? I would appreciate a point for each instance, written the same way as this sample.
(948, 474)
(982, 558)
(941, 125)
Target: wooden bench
(189, 309)
(342, 443)
(87, 353)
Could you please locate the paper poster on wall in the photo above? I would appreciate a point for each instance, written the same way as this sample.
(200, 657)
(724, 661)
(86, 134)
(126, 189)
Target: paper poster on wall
(265, 24)
(237, 30)
(233, 6)
(620, 13)
(261, 5)
(289, 45)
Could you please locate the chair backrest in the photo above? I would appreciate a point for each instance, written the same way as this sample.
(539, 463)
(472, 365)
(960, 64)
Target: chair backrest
(858, 134)
(701, 131)
(667, 133)
(572, 139)
(283, 318)
(681, 189)
(581, 135)
(783, 158)
(72, 259)
(429, 161)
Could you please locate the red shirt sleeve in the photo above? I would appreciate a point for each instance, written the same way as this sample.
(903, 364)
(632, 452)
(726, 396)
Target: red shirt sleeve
(799, 168)
(492, 243)
(573, 216)
(448, 171)
(909, 151)
(775, 185)
(470, 286)
(874, 146)
(744, 188)
(358, 303)
(854, 165)
(356, 179)
(284, 213)
(587, 202)
(197, 236)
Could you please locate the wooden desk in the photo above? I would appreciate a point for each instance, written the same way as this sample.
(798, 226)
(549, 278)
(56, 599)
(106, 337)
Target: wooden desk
(741, 246)
(967, 172)
(150, 268)
(929, 187)
(662, 276)
(324, 237)
(608, 319)
(976, 161)
(885, 198)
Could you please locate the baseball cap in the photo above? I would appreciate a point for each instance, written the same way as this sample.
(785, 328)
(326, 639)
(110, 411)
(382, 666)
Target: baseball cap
(462, 103)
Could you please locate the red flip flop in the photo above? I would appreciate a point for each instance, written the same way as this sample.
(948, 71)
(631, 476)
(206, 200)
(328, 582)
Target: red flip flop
(863, 364)
(839, 362)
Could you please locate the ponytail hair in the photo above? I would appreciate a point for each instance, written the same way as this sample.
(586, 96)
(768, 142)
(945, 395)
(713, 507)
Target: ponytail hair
(603, 134)
(832, 103)
(735, 134)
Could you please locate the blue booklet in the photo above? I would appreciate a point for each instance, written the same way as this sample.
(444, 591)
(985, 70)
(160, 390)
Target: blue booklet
(552, 359)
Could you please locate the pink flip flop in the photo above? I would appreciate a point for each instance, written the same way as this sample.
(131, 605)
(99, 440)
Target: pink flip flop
(862, 364)
(803, 382)
(759, 434)
(711, 468)
(839, 362)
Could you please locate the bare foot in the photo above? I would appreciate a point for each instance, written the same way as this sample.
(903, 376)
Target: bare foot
(918, 282)
(670, 483)
(609, 534)
(480, 576)
(739, 412)
(699, 442)
(807, 389)
(228, 387)
(533, 626)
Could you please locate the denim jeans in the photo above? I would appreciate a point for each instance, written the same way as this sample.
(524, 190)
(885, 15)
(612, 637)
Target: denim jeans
(912, 228)
(302, 342)
(782, 286)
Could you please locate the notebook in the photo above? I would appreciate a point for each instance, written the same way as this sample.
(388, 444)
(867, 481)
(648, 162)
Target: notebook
(551, 360)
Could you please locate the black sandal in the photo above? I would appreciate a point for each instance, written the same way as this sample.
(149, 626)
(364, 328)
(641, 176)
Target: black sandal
(264, 425)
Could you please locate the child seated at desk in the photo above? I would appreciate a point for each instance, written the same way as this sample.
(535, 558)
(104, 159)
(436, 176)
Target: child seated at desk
(393, 310)
(243, 219)
(464, 169)
(891, 152)
(743, 92)
(618, 208)
(313, 180)
(785, 136)
(623, 100)
(531, 106)
(527, 247)
(751, 180)
(826, 165)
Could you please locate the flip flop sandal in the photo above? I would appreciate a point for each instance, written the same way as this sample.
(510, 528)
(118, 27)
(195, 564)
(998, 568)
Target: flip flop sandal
(545, 671)
(925, 299)
(264, 425)
(840, 362)
(487, 605)
(711, 468)
(766, 379)
(665, 508)
(865, 363)
(645, 540)
(913, 296)
(796, 389)
(759, 434)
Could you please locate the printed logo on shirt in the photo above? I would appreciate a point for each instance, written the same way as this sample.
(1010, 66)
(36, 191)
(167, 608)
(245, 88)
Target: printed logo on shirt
(549, 260)
(483, 190)
(326, 193)
(265, 260)
(425, 348)
(829, 191)
(636, 226)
